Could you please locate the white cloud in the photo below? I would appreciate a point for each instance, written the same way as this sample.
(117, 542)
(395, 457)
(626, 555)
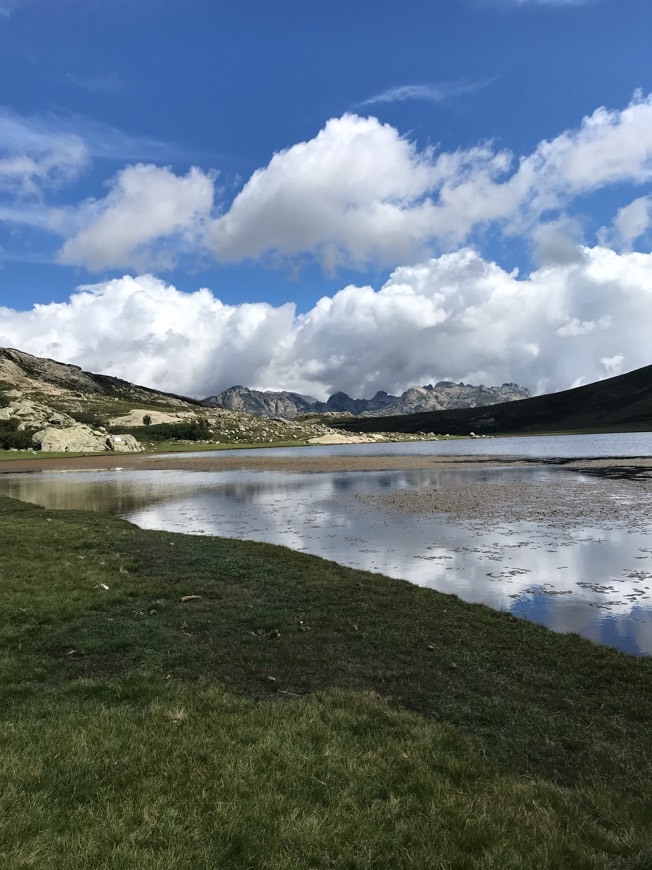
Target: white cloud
(507, 4)
(456, 316)
(146, 204)
(356, 193)
(8, 7)
(104, 140)
(613, 364)
(360, 193)
(610, 146)
(552, 2)
(151, 333)
(435, 92)
(558, 242)
(97, 83)
(631, 223)
(33, 159)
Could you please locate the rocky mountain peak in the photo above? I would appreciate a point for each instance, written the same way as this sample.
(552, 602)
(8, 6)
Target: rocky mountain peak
(444, 394)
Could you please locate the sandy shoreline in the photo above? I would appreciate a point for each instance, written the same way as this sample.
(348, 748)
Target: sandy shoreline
(232, 461)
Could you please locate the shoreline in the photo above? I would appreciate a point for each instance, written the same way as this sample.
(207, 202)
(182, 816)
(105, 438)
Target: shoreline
(623, 467)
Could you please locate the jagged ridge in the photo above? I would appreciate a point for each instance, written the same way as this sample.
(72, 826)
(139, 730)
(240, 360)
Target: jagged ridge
(443, 395)
(622, 403)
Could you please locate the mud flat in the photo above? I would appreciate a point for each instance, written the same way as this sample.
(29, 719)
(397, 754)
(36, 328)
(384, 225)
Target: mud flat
(584, 492)
(233, 460)
(627, 468)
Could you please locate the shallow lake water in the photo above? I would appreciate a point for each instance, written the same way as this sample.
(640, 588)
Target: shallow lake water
(594, 579)
(528, 447)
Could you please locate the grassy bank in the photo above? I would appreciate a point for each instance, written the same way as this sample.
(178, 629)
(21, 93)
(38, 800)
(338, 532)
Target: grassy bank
(296, 714)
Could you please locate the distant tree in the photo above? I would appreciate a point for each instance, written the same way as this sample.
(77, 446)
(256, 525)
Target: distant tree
(147, 420)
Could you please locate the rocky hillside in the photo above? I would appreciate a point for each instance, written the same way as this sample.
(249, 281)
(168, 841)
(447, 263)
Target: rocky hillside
(443, 395)
(48, 405)
(262, 403)
(58, 383)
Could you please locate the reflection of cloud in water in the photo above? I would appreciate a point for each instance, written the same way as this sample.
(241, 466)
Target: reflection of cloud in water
(594, 580)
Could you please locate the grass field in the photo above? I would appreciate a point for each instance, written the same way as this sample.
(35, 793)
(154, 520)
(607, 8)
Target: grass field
(296, 714)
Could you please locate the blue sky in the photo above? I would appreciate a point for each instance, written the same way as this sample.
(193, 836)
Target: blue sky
(211, 169)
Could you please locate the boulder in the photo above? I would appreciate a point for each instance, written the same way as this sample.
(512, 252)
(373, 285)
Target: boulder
(82, 439)
(123, 444)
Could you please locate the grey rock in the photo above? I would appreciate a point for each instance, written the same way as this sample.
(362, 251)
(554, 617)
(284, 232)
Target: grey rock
(262, 403)
(443, 395)
(81, 439)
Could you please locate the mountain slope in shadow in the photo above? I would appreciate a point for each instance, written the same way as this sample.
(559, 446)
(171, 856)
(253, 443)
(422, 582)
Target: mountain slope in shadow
(622, 403)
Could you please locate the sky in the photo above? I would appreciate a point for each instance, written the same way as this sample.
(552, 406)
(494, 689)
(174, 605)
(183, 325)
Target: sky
(311, 196)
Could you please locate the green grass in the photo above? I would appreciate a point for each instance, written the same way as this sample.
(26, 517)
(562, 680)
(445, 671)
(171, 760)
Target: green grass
(298, 714)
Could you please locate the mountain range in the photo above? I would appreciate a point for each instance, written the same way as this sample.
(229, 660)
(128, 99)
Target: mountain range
(443, 395)
(37, 392)
(622, 403)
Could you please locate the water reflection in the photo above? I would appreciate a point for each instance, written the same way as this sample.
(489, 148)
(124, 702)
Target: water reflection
(592, 579)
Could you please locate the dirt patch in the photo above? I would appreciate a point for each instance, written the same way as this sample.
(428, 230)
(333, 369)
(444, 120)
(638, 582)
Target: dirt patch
(563, 500)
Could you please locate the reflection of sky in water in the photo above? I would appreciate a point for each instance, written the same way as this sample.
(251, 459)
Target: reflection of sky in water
(594, 581)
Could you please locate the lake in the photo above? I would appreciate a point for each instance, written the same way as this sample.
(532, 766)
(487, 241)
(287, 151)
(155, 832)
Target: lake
(588, 570)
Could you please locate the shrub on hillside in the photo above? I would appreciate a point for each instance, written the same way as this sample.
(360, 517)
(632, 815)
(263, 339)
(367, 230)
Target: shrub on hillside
(191, 430)
(88, 418)
(12, 439)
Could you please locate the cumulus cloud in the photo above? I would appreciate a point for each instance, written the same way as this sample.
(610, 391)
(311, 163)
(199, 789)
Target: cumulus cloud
(146, 203)
(631, 223)
(357, 192)
(360, 193)
(610, 146)
(455, 316)
(148, 332)
(558, 242)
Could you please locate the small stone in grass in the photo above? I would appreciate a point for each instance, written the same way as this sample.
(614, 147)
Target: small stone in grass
(431, 647)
